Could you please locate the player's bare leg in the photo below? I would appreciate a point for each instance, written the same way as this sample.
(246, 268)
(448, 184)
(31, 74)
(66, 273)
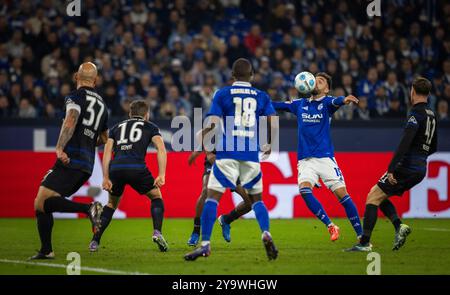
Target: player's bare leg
(48, 201)
(350, 209)
(207, 220)
(195, 236)
(316, 208)
(105, 219)
(157, 209)
(241, 209)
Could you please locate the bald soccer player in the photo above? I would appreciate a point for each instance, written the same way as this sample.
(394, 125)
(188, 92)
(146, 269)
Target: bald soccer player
(84, 127)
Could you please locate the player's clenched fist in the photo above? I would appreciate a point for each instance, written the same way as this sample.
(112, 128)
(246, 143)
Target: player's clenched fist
(107, 184)
(159, 181)
(62, 156)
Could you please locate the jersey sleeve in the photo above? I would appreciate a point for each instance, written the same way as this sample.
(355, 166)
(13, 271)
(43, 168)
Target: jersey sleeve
(73, 101)
(216, 105)
(412, 125)
(268, 109)
(413, 121)
(154, 130)
(334, 103)
(111, 132)
(104, 126)
(284, 106)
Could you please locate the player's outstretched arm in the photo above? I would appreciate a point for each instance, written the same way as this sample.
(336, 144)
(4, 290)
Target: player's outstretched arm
(67, 130)
(206, 135)
(161, 154)
(350, 98)
(193, 156)
(283, 105)
(107, 154)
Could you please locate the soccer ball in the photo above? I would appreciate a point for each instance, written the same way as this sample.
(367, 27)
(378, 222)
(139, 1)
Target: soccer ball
(305, 82)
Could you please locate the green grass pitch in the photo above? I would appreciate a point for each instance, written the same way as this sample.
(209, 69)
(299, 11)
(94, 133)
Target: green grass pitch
(304, 247)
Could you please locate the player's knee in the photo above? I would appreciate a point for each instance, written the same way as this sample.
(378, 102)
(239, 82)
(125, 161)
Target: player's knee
(374, 197)
(340, 192)
(38, 204)
(204, 193)
(112, 205)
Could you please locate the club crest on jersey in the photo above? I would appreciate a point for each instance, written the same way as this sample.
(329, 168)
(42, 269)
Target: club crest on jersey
(320, 106)
(412, 120)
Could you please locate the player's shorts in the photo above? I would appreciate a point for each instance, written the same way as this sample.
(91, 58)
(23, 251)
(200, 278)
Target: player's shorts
(406, 179)
(311, 169)
(141, 180)
(63, 180)
(227, 172)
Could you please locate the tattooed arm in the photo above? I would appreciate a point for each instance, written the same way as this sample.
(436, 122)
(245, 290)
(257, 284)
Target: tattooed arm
(67, 129)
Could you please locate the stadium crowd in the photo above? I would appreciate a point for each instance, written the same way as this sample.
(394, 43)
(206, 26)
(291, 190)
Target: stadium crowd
(175, 54)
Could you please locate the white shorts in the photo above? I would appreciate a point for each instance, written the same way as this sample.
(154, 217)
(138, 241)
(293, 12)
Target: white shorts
(226, 172)
(311, 169)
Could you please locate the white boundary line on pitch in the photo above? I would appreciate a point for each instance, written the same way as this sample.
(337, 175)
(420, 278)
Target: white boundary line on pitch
(82, 268)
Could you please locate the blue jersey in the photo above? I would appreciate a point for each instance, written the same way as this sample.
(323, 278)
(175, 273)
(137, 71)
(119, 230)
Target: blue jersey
(313, 118)
(240, 106)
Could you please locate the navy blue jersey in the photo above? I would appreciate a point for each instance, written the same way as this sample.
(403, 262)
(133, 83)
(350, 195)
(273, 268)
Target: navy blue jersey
(419, 140)
(240, 106)
(313, 118)
(92, 121)
(131, 140)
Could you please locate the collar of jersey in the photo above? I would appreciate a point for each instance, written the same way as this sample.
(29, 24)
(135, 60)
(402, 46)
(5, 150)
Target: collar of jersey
(242, 83)
(319, 99)
(87, 87)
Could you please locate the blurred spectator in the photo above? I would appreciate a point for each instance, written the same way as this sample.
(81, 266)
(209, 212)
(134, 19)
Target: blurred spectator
(367, 87)
(235, 49)
(146, 48)
(253, 39)
(347, 84)
(382, 103)
(396, 89)
(346, 111)
(26, 109)
(167, 111)
(442, 110)
(182, 106)
(5, 110)
(362, 111)
(394, 109)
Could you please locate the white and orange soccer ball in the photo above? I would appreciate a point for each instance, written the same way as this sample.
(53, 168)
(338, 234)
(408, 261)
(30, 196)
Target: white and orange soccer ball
(305, 82)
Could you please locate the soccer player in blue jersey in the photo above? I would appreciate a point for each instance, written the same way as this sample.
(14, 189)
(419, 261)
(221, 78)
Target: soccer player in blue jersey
(240, 106)
(316, 154)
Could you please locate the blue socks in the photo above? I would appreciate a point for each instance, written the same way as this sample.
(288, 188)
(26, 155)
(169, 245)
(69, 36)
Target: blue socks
(352, 214)
(262, 215)
(208, 218)
(210, 211)
(314, 205)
